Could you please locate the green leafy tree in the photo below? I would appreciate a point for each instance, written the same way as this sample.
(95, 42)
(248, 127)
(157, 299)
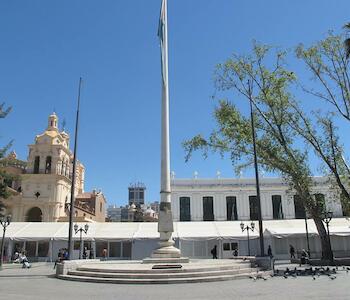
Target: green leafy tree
(266, 87)
(4, 177)
(328, 64)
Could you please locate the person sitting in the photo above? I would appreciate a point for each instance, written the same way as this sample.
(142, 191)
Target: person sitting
(15, 258)
(235, 252)
(24, 261)
(304, 259)
(59, 258)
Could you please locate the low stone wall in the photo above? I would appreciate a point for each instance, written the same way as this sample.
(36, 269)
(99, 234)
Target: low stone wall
(69, 265)
(263, 262)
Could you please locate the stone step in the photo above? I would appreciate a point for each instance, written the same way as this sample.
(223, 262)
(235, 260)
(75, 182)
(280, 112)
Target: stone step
(153, 271)
(155, 275)
(158, 280)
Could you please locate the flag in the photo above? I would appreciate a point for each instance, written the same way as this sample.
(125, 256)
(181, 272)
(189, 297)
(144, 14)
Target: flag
(162, 35)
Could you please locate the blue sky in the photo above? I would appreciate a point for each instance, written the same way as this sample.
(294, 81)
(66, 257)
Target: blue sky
(45, 46)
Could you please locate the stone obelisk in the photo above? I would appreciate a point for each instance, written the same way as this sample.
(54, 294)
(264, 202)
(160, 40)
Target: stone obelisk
(166, 249)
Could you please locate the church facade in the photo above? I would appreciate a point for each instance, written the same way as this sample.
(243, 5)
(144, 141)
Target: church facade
(45, 183)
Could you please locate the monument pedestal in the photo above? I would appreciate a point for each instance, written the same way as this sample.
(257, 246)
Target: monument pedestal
(167, 253)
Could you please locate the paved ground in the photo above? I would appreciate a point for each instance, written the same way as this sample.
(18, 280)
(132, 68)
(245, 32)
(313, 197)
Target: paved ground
(38, 283)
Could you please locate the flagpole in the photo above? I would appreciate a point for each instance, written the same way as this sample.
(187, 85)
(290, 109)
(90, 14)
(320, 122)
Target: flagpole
(72, 194)
(166, 249)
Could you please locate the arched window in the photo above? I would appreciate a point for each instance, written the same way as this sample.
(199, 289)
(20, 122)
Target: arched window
(208, 209)
(185, 209)
(48, 165)
(36, 165)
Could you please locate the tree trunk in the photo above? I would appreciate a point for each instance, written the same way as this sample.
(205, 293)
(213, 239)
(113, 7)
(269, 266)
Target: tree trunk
(327, 253)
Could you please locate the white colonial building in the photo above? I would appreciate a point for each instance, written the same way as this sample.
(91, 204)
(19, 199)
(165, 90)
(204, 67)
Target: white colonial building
(235, 199)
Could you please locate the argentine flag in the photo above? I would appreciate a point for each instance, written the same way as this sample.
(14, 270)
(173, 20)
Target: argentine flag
(162, 35)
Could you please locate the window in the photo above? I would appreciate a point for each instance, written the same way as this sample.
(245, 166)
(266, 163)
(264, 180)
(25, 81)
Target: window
(234, 246)
(226, 247)
(131, 195)
(43, 249)
(253, 207)
(277, 207)
(208, 209)
(48, 165)
(30, 248)
(299, 208)
(185, 209)
(100, 206)
(36, 165)
(115, 249)
(231, 208)
(76, 245)
(127, 249)
(99, 248)
(230, 246)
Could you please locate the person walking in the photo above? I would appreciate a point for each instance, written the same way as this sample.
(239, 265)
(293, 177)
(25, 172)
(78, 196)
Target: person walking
(291, 251)
(269, 251)
(91, 254)
(104, 253)
(214, 252)
(85, 253)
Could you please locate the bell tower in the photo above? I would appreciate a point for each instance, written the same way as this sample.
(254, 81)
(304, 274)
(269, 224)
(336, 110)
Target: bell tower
(52, 123)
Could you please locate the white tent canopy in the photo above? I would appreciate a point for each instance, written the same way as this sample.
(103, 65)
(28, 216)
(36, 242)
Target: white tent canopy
(289, 228)
(182, 230)
(195, 239)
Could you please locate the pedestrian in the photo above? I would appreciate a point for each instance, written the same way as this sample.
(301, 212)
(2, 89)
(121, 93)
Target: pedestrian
(91, 254)
(291, 251)
(104, 253)
(59, 258)
(235, 252)
(214, 252)
(65, 254)
(24, 261)
(304, 259)
(269, 251)
(85, 253)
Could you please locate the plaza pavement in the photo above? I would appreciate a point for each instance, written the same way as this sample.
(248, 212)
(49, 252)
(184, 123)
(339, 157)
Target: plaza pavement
(39, 283)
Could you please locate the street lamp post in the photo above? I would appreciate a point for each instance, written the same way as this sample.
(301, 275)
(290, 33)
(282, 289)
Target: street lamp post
(247, 227)
(81, 230)
(4, 223)
(327, 217)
